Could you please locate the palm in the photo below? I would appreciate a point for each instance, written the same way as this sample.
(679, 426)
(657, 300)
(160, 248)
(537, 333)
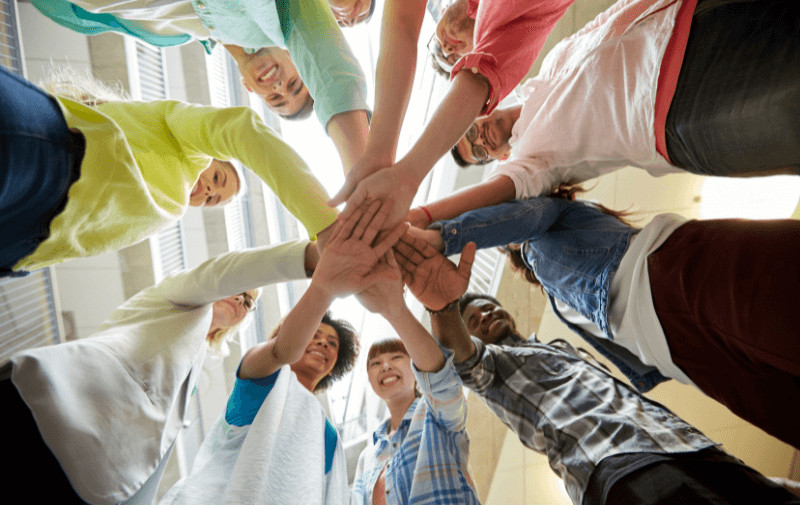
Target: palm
(350, 262)
(391, 188)
(433, 279)
(383, 295)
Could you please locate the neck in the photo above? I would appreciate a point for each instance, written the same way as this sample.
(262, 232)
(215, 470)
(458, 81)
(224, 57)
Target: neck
(397, 410)
(309, 381)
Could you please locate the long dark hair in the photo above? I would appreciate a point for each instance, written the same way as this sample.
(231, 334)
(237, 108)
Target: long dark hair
(564, 191)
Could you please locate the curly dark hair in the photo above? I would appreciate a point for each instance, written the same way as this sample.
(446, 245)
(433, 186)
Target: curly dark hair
(348, 351)
(470, 297)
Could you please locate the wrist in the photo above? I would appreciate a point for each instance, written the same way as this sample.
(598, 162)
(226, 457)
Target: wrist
(321, 290)
(427, 213)
(446, 309)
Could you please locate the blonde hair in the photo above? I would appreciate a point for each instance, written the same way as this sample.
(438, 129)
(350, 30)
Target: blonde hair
(81, 87)
(217, 341)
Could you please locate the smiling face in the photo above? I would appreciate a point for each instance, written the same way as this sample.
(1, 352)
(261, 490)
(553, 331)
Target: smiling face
(350, 12)
(320, 355)
(487, 138)
(390, 375)
(215, 185)
(270, 73)
(230, 311)
(454, 32)
(488, 321)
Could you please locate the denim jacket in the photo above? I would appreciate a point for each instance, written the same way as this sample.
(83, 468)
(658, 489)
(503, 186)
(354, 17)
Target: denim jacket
(574, 249)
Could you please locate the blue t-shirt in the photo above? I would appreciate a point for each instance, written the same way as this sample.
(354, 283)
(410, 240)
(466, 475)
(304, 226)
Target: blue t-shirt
(247, 397)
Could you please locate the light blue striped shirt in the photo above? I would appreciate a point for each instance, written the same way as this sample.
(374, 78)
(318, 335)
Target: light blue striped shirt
(426, 458)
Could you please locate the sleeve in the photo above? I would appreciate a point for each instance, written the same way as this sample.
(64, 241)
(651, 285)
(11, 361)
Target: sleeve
(532, 177)
(238, 133)
(324, 60)
(235, 272)
(360, 494)
(478, 372)
(443, 392)
(509, 35)
(511, 222)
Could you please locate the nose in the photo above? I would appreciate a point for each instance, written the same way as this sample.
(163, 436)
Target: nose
(277, 84)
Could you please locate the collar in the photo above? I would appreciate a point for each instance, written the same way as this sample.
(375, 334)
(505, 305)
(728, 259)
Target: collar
(514, 340)
(384, 427)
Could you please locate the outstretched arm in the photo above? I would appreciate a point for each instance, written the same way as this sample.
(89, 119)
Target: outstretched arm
(386, 298)
(496, 190)
(438, 284)
(397, 184)
(348, 265)
(397, 61)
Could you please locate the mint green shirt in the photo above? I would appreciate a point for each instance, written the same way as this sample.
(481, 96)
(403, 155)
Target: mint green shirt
(306, 28)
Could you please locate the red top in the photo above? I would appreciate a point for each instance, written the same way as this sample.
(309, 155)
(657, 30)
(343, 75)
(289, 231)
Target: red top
(509, 35)
(670, 70)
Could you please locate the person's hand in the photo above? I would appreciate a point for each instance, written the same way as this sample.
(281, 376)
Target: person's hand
(418, 218)
(432, 237)
(391, 186)
(366, 165)
(384, 296)
(349, 262)
(433, 279)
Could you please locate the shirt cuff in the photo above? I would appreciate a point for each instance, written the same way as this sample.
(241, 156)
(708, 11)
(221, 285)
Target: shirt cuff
(452, 236)
(294, 262)
(465, 368)
(439, 384)
(484, 64)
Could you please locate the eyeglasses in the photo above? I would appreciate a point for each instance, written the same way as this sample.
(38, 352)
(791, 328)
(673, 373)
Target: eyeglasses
(479, 152)
(446, 63)
(249, 302)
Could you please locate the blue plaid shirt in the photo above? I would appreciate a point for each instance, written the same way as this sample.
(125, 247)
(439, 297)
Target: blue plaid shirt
(426, 458)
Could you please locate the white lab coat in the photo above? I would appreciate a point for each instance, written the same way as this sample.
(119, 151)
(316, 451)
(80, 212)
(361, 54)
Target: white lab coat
(110, 406)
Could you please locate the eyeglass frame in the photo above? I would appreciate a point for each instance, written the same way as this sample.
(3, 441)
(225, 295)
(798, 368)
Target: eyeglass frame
(482, 160)
(438, 55)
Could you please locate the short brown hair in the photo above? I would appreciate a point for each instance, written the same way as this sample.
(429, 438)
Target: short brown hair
(303, 112)
(384, 345)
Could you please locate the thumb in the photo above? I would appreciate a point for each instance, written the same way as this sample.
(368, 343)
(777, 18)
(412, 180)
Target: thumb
(466, 260)
(343, 194)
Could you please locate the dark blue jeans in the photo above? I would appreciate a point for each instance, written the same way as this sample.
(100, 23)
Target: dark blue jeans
(736, 109)
(39, 160)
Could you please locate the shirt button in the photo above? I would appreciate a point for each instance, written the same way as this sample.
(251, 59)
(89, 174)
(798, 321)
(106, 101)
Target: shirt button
(394, 444)
(387, 491)
(474, 70)
(453, 232)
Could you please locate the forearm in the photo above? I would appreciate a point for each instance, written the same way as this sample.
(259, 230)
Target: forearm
(349, 131)
(397, 62)
(238, 133)
(448, 328)
(235, 272)
(421, 347)
(515, 222)
(496, 190)
(460, 107)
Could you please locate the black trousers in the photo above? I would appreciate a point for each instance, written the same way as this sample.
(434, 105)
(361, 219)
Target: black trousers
(707, 477)
(28, 457)
(736, 108)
